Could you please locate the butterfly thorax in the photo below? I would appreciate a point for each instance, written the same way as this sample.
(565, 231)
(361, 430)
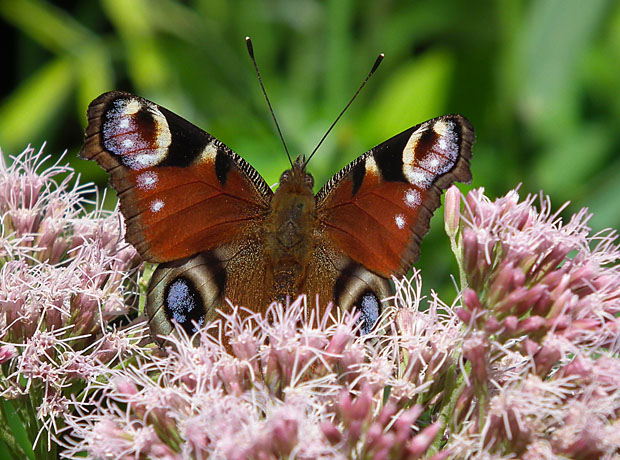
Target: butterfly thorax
(288, 231)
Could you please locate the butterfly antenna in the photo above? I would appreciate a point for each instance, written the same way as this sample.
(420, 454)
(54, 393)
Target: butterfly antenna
(248, 42)
(374, 68)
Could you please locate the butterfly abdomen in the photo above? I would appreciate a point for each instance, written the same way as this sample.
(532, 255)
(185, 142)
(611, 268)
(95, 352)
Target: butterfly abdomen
(289, 231)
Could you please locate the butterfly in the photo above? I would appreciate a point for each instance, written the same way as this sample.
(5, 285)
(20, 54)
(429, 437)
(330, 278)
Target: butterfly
(218, 231)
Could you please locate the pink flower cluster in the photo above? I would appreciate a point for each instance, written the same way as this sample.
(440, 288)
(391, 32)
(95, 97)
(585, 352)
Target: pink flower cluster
(522, 364)
(541, 307)
(295, 385)
(529, 274)
(63, 279)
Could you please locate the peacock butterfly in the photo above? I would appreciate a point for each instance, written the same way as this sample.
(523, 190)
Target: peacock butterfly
(218, 231)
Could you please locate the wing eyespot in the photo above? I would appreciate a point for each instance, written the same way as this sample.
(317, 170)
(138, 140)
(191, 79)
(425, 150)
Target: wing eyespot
(185, 292)
(369, 307)
(183, 304)
(359, 288)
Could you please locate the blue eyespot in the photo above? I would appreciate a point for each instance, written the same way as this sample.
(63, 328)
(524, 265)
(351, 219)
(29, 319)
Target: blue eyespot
(370, 309)
(184, 304)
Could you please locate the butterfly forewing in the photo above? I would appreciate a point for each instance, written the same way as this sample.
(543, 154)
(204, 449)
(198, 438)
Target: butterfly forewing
(181, 190)
(378, 208)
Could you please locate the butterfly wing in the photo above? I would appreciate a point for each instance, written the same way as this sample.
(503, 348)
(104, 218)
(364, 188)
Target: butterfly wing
(181, 190)
(190, 203)
(377, 209)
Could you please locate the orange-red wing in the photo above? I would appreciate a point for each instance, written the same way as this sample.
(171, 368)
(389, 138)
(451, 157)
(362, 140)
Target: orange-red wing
(181, 190)
(378, 208)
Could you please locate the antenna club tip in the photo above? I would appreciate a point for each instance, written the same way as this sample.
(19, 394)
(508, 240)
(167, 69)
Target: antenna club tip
(248, 43)
(377, 62)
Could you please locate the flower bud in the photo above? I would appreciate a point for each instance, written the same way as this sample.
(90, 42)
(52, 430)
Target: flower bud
(471, 300)
(463, 315)
(452, 210)
(492, 325)
(7, 352)
(331, 433)
(403, 424)
(284, 435)
(475, 350)
(339, 340)
(386, 414)
(470, 253)
(510, 324)
(545, 359)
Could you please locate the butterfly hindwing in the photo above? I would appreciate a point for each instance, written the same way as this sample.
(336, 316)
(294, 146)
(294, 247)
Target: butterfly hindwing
(377, 209)
(181, 190)
(191, 290)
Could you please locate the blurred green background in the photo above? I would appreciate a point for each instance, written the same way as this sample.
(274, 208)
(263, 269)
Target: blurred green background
(538, 80)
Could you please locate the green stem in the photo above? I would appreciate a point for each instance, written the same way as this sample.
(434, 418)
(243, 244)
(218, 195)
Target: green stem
(482, 405)
(8, 437)
(456, 250)
(448, 409)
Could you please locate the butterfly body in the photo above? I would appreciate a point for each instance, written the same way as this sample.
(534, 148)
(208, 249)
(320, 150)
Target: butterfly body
(290, 231)
(219, 232)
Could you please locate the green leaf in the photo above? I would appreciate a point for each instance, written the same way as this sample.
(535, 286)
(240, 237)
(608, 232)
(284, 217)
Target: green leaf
(566, 166)
(146, 62)
(50, 26)
(27, 112)
(16, 433)
(94, 75)
(555, 38)
(603, 202)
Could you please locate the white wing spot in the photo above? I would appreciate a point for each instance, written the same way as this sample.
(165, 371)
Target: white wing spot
(127, 143)
(208, 153)
(371, 166)
(156, 205)
(421, 168)
(124, 123)
(447, 145)
(442, 127)
(409, 151)
(129, 107)
(147, 180)
(409, 158)
(143, 160)
(420, 178)
(412, 198)
(400, 221)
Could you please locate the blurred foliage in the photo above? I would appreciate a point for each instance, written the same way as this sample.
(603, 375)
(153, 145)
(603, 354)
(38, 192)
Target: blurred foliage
(538, 79)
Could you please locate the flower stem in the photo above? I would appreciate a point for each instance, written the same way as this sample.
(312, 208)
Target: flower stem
(7, 434)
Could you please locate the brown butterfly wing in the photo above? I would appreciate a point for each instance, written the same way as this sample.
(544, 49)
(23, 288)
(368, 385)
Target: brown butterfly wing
(189, 202)
(336, 276)
(181, 190)
(377, 209)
